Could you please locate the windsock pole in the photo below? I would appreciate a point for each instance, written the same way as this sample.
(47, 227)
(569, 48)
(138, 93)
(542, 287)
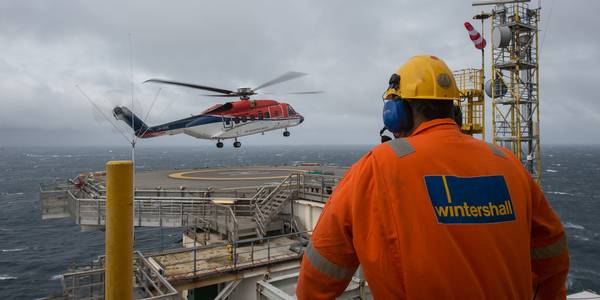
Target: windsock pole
(483, 76)
(480, 43)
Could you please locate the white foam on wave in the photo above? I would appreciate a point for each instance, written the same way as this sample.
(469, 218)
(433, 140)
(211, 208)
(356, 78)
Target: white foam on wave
(573, 226)
(6, 277)
(559, 193)
(33, 155)
(551, 171)
(11, 194)
(56, 277)
(47, 155)
(581, 238)
(14, 250)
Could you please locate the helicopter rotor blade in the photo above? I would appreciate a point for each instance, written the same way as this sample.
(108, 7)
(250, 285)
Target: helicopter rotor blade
(190, 85)
(230, 95)
(285, 77)
(295, 93)
(306, 93)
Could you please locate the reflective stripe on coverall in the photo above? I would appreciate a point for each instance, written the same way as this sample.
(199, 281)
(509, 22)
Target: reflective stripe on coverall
(438, 215)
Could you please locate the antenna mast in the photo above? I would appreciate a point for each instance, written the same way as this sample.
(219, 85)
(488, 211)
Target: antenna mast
(133, 137)
(514, 84)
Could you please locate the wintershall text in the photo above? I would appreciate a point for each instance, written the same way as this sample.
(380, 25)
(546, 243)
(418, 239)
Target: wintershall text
(467, 210)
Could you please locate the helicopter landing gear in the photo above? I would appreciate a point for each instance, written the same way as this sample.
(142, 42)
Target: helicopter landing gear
(286, 133)
(237, 144)
(219, 144)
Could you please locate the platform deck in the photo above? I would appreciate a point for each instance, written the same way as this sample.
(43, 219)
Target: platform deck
(219, 259)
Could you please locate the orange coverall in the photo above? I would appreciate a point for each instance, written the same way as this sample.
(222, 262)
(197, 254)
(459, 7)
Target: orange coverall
(437, 215)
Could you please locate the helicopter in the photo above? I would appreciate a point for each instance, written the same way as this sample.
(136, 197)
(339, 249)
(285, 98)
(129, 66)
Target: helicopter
(229, 120)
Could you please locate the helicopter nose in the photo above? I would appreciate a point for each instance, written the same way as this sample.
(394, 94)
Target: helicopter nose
(301, 119)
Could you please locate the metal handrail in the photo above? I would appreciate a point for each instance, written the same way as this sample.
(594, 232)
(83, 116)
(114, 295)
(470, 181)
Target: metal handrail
(258, 194)
(232, 256)
(231, 215)
(170, 291)
(276, 189)
(260, 216)
(147, 278)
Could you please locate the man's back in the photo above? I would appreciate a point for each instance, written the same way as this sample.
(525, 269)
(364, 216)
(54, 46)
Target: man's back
(449, 205)
(436, 215)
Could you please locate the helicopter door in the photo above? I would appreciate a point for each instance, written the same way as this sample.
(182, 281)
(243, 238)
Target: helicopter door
(227, 122)
(276, 111)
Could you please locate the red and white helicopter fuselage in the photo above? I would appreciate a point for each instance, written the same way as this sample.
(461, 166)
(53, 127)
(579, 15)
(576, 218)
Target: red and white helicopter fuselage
(221, 121)
(224, 121)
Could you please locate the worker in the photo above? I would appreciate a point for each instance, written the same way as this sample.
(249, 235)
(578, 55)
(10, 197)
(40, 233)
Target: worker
(434, 213)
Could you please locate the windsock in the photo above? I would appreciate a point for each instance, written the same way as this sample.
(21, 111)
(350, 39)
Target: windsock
(476, 38)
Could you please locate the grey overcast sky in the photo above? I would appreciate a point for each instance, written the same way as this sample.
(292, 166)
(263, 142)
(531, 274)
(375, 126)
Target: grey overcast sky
(349, 48)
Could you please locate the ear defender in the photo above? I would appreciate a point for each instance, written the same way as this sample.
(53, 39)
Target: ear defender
(457, 115)
(397, 116)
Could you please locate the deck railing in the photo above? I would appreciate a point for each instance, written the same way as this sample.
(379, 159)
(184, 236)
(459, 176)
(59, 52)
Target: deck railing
(89, 284)
(169, 208)
(209, 260)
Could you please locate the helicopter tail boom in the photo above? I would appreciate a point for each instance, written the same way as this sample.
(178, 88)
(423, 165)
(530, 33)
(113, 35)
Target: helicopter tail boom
(126, 115)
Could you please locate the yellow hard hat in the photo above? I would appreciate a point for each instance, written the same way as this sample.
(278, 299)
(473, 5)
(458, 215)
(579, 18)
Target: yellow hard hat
(423, 77)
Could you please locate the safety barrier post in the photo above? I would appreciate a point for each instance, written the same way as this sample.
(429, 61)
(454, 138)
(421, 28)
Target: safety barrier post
(195, 228)
(119, 230)
(99, 220)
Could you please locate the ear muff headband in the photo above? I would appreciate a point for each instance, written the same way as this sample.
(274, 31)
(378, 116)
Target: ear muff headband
(397, 116)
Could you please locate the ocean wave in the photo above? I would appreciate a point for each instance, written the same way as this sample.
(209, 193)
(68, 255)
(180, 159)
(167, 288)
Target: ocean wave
(581, 238)
(11, 194)
(559, 193)
(551, 171)
(14, 250)
(48, 155)
(56, 277)
(32, 155)
(573, 226)
(7, 277)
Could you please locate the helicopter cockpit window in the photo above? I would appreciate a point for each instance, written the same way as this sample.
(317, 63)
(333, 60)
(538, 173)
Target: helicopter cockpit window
(260, 115)
(244, 119)
(267, 115)
(291, 111)
(236, 120)
(227, 122)
(252, 117)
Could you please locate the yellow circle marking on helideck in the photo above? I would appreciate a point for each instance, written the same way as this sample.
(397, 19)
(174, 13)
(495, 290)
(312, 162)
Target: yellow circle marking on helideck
(185, 175)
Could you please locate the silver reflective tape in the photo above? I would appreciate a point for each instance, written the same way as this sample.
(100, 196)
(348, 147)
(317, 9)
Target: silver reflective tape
(555, 249)
(496, 150)
(401, 146)
(326, 267)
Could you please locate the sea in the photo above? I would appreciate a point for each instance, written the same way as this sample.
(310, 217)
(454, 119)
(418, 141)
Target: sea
(34, 252)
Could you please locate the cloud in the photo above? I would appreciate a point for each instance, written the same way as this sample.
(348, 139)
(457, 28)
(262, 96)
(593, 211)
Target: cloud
(348, 48)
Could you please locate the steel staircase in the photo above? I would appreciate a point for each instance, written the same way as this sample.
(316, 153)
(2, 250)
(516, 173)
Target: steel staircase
(268, 206)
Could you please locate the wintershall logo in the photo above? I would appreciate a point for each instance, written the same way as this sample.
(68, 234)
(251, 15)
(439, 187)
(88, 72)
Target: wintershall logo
(467, 200)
